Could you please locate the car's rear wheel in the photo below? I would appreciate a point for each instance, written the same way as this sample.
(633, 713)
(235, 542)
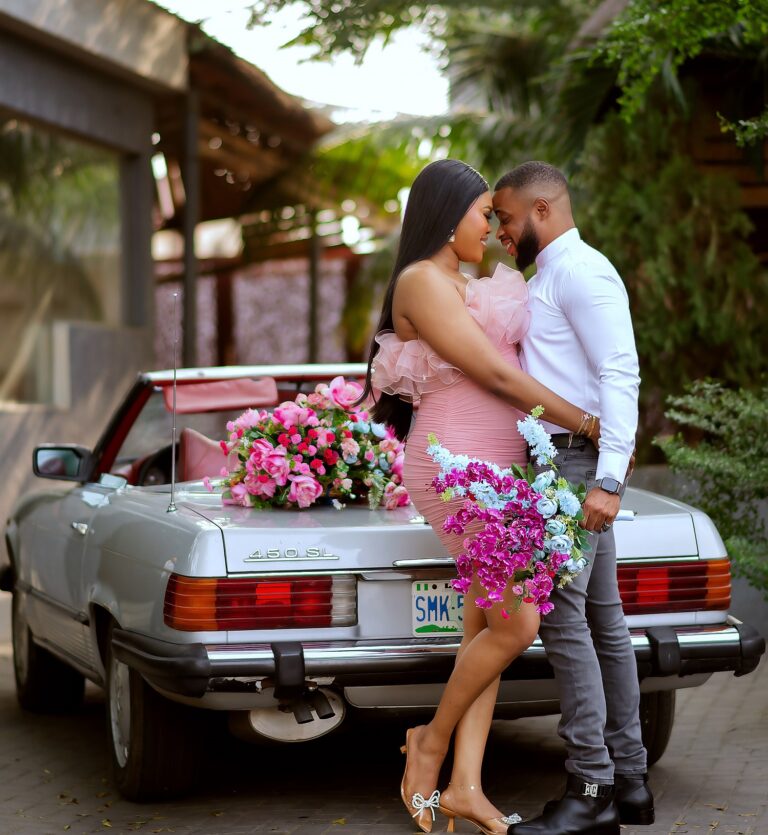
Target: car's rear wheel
(155, 744)
(657, 716)
(44, 684)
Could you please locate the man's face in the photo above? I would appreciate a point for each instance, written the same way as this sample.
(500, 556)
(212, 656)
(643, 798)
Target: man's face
(516, 231)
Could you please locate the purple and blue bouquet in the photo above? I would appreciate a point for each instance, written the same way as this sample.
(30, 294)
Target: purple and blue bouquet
(530, 534)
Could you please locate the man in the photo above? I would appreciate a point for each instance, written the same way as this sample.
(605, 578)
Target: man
(580, 344)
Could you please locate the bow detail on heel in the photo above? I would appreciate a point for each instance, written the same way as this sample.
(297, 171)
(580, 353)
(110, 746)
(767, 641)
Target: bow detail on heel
(418, 802)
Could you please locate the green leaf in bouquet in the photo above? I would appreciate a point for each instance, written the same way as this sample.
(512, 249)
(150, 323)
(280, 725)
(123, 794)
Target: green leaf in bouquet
(518, 471)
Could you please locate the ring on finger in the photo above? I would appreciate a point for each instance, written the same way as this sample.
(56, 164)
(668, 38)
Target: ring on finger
(606, 527)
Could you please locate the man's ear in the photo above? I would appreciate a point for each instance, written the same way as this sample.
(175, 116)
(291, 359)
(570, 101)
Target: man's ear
(541, 207)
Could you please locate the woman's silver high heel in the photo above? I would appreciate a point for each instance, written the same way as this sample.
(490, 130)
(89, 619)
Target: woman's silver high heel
(492, 826)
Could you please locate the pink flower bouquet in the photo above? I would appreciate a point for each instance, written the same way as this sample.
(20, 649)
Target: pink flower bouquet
(317, 445)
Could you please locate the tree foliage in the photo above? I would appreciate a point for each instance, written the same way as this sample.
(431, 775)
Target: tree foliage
(651, 40)
(679, 240)
(723, 452)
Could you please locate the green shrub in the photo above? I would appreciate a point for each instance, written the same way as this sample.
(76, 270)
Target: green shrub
(723, 452)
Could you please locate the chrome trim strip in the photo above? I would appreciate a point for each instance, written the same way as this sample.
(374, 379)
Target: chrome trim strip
(401, 649)
(80, 617)
(442, 562)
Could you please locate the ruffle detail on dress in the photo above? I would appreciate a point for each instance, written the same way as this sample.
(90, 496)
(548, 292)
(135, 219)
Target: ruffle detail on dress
(409, 369)
(499, 304)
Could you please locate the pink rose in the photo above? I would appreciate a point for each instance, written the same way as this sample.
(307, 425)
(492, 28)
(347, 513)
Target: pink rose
(344, 394)
(248, 419)
(260, 449)
(261, 485)
(290, 414)
(304, 490)
(389, 445)
(321, 398)
(238, 495)
(350, 448)
(277, 465)
(395, 495)
(397, 465)
(369, 455)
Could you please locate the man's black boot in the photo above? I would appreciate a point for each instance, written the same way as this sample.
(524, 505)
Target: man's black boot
(634, 799)
(585, 809)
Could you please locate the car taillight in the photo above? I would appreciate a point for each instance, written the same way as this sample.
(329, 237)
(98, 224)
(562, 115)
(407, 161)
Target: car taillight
(201, 604)
(648, 588)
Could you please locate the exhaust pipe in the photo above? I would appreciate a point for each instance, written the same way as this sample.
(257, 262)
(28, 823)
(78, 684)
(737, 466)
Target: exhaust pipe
(292, 721)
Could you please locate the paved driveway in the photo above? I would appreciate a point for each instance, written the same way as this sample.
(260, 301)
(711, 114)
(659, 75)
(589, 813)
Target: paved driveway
(53, 772)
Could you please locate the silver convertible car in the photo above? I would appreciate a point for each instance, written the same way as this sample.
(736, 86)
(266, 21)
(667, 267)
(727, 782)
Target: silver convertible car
(289, 620)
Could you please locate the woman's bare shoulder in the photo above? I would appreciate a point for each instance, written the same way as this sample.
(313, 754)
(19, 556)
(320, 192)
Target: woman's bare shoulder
(425, 277)
(420, 270)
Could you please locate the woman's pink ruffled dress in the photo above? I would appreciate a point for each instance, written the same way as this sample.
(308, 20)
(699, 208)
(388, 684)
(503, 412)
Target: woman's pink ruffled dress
(465, 417)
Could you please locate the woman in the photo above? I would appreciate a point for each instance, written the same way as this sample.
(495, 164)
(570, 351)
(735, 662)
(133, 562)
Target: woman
(451, 343)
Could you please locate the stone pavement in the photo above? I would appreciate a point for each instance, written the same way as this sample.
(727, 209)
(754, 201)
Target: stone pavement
(53, 772)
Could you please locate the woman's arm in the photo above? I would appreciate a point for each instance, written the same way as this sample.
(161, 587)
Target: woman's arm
(438, 314)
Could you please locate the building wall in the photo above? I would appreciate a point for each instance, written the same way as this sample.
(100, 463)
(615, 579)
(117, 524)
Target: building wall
(89, 70)
(133, 37)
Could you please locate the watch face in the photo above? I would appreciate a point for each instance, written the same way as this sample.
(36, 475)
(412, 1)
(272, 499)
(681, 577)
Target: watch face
(610, 485)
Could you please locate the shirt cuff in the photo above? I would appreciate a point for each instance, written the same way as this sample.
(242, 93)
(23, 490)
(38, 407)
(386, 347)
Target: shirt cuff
(612, 465)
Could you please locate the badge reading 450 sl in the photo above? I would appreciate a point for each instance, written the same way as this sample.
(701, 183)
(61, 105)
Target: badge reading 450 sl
(272, 554)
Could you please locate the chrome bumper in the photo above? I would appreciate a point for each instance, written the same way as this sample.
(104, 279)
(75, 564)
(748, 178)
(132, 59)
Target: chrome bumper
(194, 669)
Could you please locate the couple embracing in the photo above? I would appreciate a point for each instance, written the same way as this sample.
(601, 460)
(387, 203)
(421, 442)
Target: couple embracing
(475, 354)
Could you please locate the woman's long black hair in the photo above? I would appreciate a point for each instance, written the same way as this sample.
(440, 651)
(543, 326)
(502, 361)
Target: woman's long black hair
(440, 197)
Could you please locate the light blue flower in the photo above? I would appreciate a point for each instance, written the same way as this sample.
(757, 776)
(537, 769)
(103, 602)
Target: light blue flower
(538, 439)
(555, 527)
(543, 480)
(569, 504)
(484, 493)
(546, 507)
(378, 429)
(562, 544)
(383, 463)
(575, 566)
(361, 426)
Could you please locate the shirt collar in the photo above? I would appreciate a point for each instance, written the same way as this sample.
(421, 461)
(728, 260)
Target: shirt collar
(553, 249)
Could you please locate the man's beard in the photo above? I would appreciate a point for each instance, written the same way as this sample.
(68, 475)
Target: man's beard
(527, 247)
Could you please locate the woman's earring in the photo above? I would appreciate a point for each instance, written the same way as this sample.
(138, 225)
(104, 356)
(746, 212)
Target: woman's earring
(452, 239)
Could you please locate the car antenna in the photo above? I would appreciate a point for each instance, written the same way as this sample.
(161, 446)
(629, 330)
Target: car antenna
(172, 505)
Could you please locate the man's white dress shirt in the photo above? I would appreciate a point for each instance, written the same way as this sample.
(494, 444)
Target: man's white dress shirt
(580, 343)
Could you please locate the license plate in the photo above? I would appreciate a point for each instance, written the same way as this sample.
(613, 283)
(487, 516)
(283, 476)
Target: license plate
(436, 608)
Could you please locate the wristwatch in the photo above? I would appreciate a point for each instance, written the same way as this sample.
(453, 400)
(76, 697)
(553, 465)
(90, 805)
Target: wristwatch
(610, 485)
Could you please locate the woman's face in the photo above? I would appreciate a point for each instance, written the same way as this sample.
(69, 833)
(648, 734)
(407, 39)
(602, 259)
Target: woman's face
(473, 230)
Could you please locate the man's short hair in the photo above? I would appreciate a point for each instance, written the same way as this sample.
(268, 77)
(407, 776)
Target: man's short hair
(534, 173)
